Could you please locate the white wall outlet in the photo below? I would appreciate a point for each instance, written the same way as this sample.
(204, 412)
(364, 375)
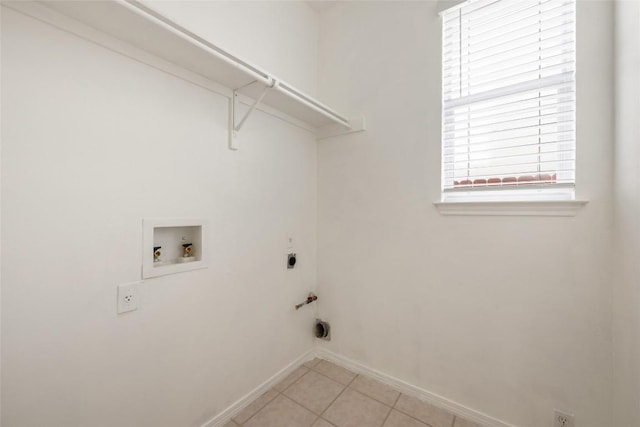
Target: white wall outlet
(562, 419)
(128, 297)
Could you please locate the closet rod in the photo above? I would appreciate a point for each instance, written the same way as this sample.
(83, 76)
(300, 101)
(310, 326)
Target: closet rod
(187, 35)
(311, 103)
(140, 9)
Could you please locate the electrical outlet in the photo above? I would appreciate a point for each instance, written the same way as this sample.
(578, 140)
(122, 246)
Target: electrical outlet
(562, 419)
(128, 298)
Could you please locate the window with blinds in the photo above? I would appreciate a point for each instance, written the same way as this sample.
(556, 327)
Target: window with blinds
(508, 122)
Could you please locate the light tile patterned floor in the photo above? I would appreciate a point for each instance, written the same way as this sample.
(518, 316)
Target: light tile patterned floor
(321, 394)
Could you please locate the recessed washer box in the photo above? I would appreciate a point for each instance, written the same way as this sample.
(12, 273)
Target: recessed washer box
(173, 236)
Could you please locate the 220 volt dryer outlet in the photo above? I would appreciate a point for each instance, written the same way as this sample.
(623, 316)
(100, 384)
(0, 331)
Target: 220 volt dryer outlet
(128, 297)
(561, 419)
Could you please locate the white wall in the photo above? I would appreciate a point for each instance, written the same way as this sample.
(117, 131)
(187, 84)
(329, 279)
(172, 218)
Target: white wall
(92, 142)
(510, 316)
(0, 231)
(626, 303)
(280, 37)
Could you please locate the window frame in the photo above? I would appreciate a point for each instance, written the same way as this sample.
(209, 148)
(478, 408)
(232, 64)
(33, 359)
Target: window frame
(554, 200)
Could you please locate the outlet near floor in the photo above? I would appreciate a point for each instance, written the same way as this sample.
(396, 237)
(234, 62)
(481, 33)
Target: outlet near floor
(562, 419)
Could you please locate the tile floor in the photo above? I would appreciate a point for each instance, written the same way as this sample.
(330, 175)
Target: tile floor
(321, 394)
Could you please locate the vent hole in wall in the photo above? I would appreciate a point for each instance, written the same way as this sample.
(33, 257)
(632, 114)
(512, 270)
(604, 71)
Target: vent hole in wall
(322, 330)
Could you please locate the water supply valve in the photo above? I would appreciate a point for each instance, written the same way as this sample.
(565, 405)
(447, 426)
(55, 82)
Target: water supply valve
(311, 298)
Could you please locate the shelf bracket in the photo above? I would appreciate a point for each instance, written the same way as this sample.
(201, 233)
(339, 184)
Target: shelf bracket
(235, 128)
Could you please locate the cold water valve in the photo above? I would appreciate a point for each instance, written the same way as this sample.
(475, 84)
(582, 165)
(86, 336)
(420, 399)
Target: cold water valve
(311, 298)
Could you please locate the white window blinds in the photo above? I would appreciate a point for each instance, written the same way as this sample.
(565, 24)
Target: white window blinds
(508, 95)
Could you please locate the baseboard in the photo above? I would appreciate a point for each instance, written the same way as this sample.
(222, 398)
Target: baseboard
(223, 417)
(411, 390)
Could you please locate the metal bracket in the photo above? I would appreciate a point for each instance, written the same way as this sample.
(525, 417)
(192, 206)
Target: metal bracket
(235, 128)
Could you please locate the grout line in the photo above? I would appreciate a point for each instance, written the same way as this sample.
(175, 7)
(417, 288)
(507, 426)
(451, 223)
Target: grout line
(281, 393)
(387, 417)
(339, 394)
(345, 387)
(364, 394)
(337, 382)
(373, 398)
(392, 407)
(319, 417)
(411, 416)
(260, 408)
(291, 385)
(302, 406)
(327, 376)
(315, 364)
(322, 419)
(368, 397)
(397, 399)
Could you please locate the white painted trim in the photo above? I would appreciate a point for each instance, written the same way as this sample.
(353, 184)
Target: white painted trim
(358, 124)
(223, 417)
(404, 387)
(512, 208)
(87, 33)
(448, 4)
(411, 390)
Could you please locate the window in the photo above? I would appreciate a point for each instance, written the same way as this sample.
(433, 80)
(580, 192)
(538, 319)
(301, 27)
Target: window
(508, 90)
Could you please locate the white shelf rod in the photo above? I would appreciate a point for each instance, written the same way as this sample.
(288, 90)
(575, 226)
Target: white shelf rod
(187, 35)
(265, 78)
(311, 103)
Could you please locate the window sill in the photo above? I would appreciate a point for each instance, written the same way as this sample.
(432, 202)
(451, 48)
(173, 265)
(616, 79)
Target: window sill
(512, 208)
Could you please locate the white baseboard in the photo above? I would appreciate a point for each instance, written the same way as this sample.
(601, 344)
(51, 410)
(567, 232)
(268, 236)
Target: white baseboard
(411, 390)
(223, 417)
(404, 387)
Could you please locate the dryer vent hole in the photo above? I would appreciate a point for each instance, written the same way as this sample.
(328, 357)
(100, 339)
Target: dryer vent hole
(322, 330)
